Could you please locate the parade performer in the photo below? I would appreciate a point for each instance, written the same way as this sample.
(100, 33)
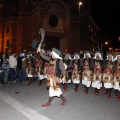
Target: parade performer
(46, 64)
(87, 77)
(97, 81)
(108, 75)
(29, 68)
(39, 69)
(68, 62)
(117, 75)
(38, 65)
(76, 71)
(86, 71)
(108, 81)
(97, 67)
(55, 70)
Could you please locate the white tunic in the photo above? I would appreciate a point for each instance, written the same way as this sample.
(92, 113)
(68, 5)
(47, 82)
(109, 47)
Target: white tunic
(119, 88)
(29, 75)
(83, 82)
(69, 81)
(97, 81)
(87, 82)
(76, 81)
(116, 84)
(97, 84)
(41, 77)
(45, 76)
(108, 85)
(52, 91)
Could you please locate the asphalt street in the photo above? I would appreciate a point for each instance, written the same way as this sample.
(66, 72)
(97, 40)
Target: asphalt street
(21, 102)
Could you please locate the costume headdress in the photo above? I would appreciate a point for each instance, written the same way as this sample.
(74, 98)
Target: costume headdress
(87, 52)
(118, 54)
(109, 53)
(56, 53)
(100, 54)
(68, 55)
(76, 53)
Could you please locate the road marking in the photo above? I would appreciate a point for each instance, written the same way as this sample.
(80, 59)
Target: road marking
(26, 111)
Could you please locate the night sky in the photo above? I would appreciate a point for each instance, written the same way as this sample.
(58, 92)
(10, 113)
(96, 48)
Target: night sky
(106, 14)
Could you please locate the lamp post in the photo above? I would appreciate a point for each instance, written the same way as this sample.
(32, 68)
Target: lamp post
(80, 3)
(106, 46)
(106, 43)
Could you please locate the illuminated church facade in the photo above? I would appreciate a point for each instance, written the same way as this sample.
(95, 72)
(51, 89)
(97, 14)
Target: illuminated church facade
(70, 29)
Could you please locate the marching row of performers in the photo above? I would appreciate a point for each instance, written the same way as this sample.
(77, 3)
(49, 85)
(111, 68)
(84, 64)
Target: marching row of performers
(94, 72)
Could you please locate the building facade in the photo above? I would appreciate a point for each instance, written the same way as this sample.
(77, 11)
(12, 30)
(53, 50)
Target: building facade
(67, 27)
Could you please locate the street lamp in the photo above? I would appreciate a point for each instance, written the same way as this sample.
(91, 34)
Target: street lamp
(106, 43)
(80, 3)
(106, 46)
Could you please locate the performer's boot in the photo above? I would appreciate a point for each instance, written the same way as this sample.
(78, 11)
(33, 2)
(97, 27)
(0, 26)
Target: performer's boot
(84, 86)
(118, 98)
(48, 103)
(116, 93)
(65, 87)
(106, 92)
(63, 100)
(28, 82)
(31, 81)
(97, 92)
(76, 87)
(109, 95)
(40, 83)
(86, 92)
(85, 89)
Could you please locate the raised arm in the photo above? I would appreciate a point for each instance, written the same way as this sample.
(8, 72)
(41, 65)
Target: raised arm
(45, 57)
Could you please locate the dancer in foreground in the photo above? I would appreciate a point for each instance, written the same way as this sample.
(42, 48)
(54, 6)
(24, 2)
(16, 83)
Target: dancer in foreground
(56, 69)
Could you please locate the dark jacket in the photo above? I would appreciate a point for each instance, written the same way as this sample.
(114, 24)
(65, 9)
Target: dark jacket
(19, 63)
